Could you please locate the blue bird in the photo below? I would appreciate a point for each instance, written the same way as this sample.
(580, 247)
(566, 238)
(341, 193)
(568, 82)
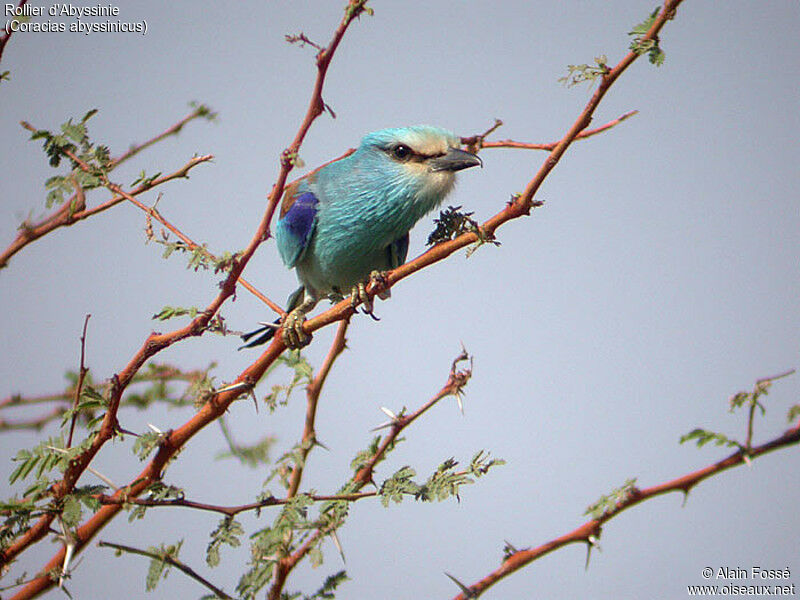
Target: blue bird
(339, 227)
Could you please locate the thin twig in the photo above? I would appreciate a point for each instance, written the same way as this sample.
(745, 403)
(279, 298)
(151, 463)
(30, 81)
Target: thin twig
(71, 212)
(282, 569)
(591, 530)
(173, 562)
(761, 384)
(456, 381)
(152, 212)
(74, 208)
(155, 342)
(4, 39)
(79, 386)
(164, 373)
(170, 131)
(587, 133)
(312, 401)
(223, 509)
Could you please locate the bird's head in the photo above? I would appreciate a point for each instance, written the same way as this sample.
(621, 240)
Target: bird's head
(421, 158)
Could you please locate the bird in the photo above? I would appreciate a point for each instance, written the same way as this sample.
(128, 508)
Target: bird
(343, 225)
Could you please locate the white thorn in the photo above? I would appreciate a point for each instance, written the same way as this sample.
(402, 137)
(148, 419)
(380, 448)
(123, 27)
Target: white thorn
(389, 413)
(337, 543)
(155, 429)
(233, 386)
(69, 549)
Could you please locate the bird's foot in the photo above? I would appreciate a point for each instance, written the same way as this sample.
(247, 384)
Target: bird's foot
(294, 336)
(380, 284)
(359, 293)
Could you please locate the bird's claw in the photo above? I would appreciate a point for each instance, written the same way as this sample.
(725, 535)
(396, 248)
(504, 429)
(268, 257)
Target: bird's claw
(380, 284)
(294, 336)
(359, 295)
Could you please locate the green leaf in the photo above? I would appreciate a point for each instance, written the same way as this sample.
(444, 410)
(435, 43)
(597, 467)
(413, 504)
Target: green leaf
(74, 131)
(302, 375)
(703, 437)
(444, 483)
(146, 443)
(250, 455)
(170, 312)
(71, 512)
(577, 74)
(159, 567)
(643, 27)
(226, 533)
(398, 485)
(481, 463)
(639, 45)
(326, 592)
(315, 557)
(610, 503)
(45, 457)
(85, 494)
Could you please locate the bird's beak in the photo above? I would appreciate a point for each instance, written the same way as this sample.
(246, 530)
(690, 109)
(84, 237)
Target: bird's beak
(455, 160)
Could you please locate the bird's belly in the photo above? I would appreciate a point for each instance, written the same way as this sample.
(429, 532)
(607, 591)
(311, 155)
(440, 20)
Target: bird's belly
(337, 270)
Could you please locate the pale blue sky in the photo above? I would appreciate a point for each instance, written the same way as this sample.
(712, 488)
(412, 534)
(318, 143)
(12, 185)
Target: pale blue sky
(660, 277)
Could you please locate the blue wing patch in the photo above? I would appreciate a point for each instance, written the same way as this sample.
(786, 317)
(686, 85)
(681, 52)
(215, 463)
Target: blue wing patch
(295, 227)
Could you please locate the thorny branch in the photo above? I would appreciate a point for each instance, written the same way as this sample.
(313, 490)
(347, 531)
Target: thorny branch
(82, 370)
(589, 532)
(520, 205)
(454, 386)
(170, 560)
(309, 439)
(477, 142)
(153, 213)
(4, 38)
(175, 440)
(74, 208)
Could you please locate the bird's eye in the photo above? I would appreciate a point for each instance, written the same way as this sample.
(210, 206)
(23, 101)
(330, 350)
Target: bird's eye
(401, 152)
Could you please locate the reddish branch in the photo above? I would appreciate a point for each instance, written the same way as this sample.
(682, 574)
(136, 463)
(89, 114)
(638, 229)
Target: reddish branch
(162, 373)
(4, 38)
(172, 561)
(35, 423)
(82, 371)
(590, 531)
(479, 142)
(313, 392)
(73, 211)
(456, 381)
(153, 213)
(223, 509)
(520, 205)
(173, 441)
(74, 208)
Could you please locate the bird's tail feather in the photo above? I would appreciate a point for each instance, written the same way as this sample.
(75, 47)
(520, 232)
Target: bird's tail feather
(267, 332)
